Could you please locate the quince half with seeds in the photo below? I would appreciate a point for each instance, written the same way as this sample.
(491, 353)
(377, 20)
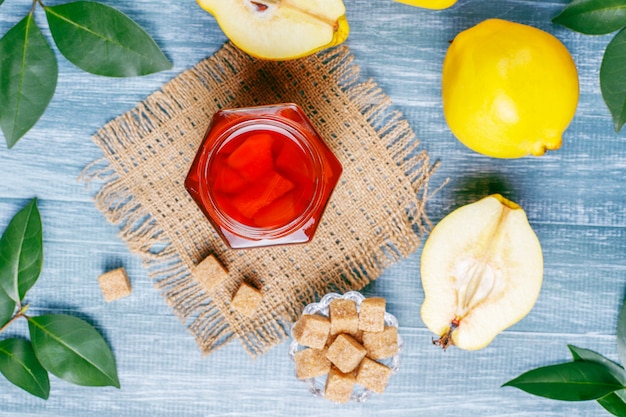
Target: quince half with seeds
(280, 29)
(482, 269)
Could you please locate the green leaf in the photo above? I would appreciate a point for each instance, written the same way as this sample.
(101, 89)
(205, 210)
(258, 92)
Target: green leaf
(613, 79)
(7, 307)
(571, 381)
(102, 40)
(593, 17)
(19, 365)
(621, 334)
(21, 252)
(581, 354)
(28, 78)
(73, 350)
(614, 403)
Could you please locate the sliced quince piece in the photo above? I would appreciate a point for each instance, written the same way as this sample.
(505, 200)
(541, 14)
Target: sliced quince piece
(481, 270)
(280, 29)
(229, 181)
(277, 213)
(253, 158)
(429, 4)
(262, 194)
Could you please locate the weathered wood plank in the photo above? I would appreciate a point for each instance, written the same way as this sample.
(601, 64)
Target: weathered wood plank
(575, 199)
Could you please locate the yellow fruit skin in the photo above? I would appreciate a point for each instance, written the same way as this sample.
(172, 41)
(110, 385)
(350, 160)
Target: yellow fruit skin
(235, 28)
(429, 4)
(509, 90)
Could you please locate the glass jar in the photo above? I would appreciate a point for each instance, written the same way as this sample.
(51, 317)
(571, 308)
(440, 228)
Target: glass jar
(263, 176)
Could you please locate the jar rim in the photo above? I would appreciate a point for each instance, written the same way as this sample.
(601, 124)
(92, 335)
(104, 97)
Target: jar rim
(288, 129)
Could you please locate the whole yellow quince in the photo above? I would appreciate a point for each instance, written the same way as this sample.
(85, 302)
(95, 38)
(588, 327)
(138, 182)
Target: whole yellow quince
(280, 29)
(429, 4)
(508, 89)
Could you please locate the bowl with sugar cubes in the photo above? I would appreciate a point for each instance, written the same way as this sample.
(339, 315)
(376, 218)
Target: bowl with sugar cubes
(346, 347)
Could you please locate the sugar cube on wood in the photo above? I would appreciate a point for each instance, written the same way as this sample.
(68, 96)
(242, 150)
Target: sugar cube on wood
(114, 284)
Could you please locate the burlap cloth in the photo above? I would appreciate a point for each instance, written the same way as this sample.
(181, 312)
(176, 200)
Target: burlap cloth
(374, 218)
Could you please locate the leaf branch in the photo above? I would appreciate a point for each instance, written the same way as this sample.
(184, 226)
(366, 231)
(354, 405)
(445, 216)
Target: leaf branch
(20, 313)
(590, 376)
(97, 38)
(63, 345)
(599, 17)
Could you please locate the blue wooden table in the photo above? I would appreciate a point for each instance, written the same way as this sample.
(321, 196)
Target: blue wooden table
(575, 200)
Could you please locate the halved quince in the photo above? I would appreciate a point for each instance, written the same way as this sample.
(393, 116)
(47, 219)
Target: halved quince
(280, 29)
(482, 269)
(429, 4)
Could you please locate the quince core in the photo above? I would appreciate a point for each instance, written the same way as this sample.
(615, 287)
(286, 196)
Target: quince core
(280, 29)
(481, 270)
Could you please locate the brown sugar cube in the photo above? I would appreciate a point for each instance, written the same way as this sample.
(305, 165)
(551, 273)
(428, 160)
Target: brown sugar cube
(372, 315)
(114, 284)
(383, 344)
(346, 353)
(312, 330)
(339, 386)
(311, 363)
(344, 318)
(373, 375)
(247, 299)
(330, 340)
(209, 272)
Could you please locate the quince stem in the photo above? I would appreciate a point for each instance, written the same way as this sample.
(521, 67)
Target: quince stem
(260, 7)
(263, 5)
(445, 341)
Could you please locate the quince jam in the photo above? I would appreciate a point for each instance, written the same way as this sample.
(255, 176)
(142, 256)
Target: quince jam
(263, 176)
(256, 180)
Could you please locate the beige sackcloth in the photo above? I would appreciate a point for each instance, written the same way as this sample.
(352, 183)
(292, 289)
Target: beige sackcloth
(375, 216)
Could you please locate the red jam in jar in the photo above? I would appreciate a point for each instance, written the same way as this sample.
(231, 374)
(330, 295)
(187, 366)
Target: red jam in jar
(263, 176)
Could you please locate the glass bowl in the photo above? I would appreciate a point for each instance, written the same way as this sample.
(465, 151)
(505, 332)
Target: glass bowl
(316, 385)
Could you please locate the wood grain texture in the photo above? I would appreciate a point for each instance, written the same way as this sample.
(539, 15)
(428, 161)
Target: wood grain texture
(575, 199)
